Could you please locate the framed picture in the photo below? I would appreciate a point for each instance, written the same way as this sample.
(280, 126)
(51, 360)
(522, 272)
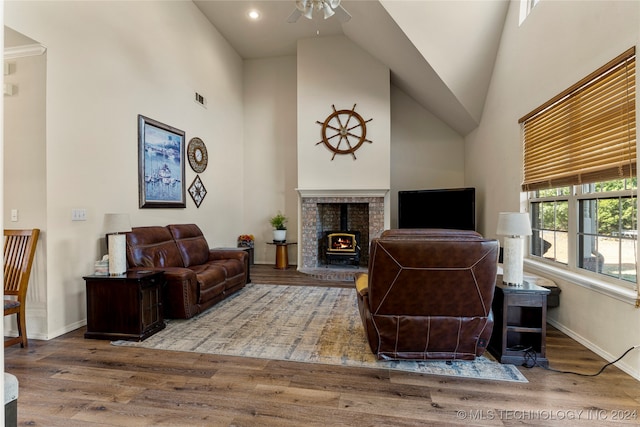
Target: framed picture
(161, 164)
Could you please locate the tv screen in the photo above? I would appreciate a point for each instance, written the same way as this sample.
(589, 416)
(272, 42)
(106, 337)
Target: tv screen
(445, 208)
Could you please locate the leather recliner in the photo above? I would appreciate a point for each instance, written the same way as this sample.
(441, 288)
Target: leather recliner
(428, 294)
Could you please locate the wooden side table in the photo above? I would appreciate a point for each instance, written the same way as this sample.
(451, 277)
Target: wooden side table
(128, 306)
(282, 254)
(520, 323)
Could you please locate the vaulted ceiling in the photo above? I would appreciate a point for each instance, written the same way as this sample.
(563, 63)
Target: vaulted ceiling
(440, 52)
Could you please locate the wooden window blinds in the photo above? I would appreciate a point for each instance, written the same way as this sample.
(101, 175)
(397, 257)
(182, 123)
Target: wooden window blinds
(585, 134)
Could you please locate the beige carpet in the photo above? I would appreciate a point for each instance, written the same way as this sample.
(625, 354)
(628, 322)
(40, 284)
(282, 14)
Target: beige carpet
(302, 324)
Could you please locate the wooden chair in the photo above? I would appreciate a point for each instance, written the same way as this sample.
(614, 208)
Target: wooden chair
(19, 250)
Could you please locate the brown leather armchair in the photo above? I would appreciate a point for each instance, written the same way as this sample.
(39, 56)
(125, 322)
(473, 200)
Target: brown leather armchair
(428, 294)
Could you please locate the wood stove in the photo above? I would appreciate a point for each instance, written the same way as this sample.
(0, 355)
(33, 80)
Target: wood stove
(343, 247)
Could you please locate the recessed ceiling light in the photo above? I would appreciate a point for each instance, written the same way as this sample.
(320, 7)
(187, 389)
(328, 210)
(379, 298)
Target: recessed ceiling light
(254, 14)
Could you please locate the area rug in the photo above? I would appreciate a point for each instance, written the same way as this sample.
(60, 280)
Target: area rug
(301, 324)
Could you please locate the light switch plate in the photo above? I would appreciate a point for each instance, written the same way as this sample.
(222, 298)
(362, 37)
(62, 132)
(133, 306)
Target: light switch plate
(78, 214)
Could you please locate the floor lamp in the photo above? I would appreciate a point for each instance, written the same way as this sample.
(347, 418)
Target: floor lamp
(115, 225)
(513, 226)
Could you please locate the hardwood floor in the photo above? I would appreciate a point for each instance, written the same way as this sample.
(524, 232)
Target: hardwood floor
(70, 381)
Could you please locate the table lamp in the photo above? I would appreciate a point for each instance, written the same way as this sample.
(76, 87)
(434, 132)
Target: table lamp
(513, 225)
(115, 225)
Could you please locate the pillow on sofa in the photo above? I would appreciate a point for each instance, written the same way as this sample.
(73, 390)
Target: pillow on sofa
(191, 243)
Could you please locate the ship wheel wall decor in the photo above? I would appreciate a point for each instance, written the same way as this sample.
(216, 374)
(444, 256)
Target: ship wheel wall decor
(344, 131)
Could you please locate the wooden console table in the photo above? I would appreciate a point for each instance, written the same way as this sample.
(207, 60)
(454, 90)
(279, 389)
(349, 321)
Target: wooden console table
(282, 254)
(128, 306)
(520, 323)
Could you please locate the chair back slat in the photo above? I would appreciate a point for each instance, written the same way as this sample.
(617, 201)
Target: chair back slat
(19, 251)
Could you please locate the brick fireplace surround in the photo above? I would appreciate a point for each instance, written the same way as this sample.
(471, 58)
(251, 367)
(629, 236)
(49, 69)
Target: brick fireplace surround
(311, 231)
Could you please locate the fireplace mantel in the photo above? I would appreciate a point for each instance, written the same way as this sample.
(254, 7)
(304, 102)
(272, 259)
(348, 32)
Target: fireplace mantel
(315, 192)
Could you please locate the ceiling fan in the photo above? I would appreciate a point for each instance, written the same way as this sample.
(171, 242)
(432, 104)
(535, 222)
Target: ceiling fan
(328, 7)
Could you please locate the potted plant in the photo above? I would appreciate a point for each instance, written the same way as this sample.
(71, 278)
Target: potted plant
(278, 222)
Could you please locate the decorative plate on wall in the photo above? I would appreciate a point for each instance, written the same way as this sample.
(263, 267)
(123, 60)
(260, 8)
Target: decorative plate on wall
(197, 154)
(344, 131)
(197, 191)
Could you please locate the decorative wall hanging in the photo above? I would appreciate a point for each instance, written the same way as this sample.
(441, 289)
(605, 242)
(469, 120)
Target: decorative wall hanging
(344, 131)
(197, 155)
(160, 165)
(197, 191)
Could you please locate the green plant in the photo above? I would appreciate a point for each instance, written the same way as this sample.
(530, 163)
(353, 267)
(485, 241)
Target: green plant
(279, 221)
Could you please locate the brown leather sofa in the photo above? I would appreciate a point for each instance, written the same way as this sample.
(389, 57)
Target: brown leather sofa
(428, 294)
(197, 277)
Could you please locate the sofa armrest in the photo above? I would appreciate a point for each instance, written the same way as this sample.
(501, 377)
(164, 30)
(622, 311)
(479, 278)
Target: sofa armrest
(240, 254)
(362, 284)
(180, 294)
(227, 253)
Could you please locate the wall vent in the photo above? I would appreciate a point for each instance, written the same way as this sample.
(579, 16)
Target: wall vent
(201, 100)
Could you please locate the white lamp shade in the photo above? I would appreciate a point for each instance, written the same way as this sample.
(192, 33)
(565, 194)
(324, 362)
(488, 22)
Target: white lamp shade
(513, 224)
(116, 223)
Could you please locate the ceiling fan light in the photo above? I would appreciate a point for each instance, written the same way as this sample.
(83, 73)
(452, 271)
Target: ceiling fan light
(308, 12)
(333, 3)
(328, 12)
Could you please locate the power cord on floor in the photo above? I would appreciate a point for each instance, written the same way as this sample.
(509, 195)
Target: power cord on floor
(530, 360)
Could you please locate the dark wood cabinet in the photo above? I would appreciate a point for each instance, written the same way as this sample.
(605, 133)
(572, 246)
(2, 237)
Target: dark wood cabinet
(520, 324)
(128, 306)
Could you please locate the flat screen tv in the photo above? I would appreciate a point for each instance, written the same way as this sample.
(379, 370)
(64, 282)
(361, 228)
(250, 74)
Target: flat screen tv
(453, 208)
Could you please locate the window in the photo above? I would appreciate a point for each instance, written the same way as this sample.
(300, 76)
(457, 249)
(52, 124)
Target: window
(608, 229)
(550, 224)
(605, 228)
(580, 174)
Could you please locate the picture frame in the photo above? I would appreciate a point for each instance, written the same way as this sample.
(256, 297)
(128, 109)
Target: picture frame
(161, 165)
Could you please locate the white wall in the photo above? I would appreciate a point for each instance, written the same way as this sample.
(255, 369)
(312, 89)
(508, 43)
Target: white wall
(24, 172)
(271, 170)
(425, 153)
(334, 71)
(107, 62)
(557, 45)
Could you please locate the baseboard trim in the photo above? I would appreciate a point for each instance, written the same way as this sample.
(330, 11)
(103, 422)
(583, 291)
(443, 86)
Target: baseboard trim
(622, 364)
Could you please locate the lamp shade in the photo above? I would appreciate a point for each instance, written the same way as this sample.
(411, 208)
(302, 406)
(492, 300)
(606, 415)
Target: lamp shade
(116, 223)
(513, 224)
